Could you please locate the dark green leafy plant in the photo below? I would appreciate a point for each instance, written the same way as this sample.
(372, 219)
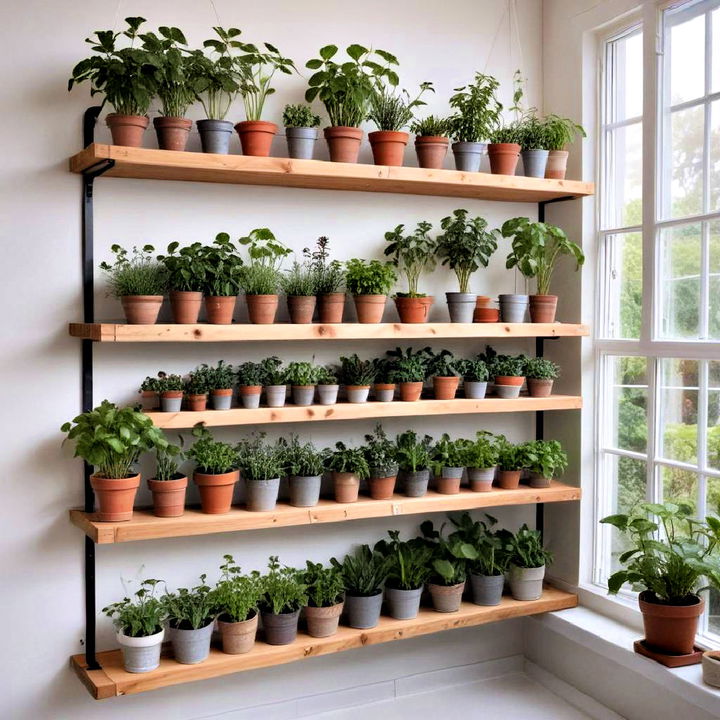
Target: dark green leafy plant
(250, 374)
(137, 274)
(526, 549)
(272, 371)
(327, 375)
(472, 369)
(450, 556)
(446, 453)
(363, 572)
(490, 545)
(302, 373)
(300, 116)
(385, 368)
(299, 281)
(190, 609)
(380, 453)
(508, 366)
(168, 461)
(431, 126)
(324, 585)
(413, 453)
(346, 459)
(409, 365)
(236, 596)
(442, 364)
(412, 254)
(546, 457)
(408, 561)
(329, 274)
(541, 369)
(141, 615)
(259, 459)
(211, 456)
(186, 269)
(369, 277)
(220, 377)
(477, 110)
(198, 381)
(283, 589)
(164, 383)
(222, 267)
(393, 110)
(560, 132)
(301, 459)
(354, 371)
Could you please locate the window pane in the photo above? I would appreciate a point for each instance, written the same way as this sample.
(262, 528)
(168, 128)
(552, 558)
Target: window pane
(714, 159)
(624, 285)
(678, 410)
(679, 486)
(685, 162)
(623, 201)
(687, 59)
(712, 500)
(715, 85)
(680, 249)
(629, 396)
(628, 58)
(713, 431)
(714, 612)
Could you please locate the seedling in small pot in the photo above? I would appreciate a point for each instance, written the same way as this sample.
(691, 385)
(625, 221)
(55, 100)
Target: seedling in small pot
(274, 379)
(299, 285)
(250, 376)
(480, 457)
(410, 370)
(303, 464)
(528, 560)
(223, 268)
(303, 377)
(329, 281)
(327, 384)
(508, 372)
(413, 456)
(169, 485)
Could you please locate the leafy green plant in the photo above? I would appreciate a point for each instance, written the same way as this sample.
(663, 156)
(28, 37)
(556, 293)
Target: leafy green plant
(446, 453)
(329, 274)
(363, 572)
(412, 254)
(185, 267)
(509, 366)
(526, 549)
(380, 453)
(250, 374)
(408, 561)
(347, 459)
(164, 383)
(541, 369)
(413, 453)
(141, 615)
(222, 266)
(533, 133)
(324, 585)
(261, 276)
(221, 376)
(510, 457)
(536, 247)
(272, 371)
(490, 545)
(546, 457)
(302, 373)
(302, 459)
(190, 609)
(431, 126)
(369, 277)
(409, 365)
(392, 110)
(327, 375)
(168, 460)
(442, 364)
(385, 368)
(507, 133)
(299, 116)
(211, 456)
(450, 556)
(560, 131)
(465, 245)
(472, 369)
(259, 459)
(236, 596)
(299, 281)
(354, 371)
(198, 381)
(136, 274)
(112, 438)
(283, 589)
(480, 453)
(477, 110)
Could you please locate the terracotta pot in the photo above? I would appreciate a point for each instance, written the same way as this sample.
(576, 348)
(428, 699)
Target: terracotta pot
(115, 497)
(185, 306)
(486, 315)
(262, 308)
(538, 480)
(256, 136)
(171, 400)
(382, 488)
(483, 301)
(172, 132)
(301, 309)
(197, 403)
(539, 387)
(238, 637)
(446, 598)
(384, 392)
(431, 151)
(250, 396)
(503, 158)
(346, 486)
(323, 621)
(343, 143)
(410, 391)
(481, 479)
(509, 479)
(219, 309)
(448, 484)
(556, 164)
(150, 400)
(141, 309)
(414, 309)
(331, 307)
(127, 130)
(216, 491)
(370, 308)
(543, 308)
(168, 496)
(670, 628)
(509, 380)
(388, 147)
(444, 388)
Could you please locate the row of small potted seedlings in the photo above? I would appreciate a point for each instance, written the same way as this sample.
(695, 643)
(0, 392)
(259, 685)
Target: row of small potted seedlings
(363, 86)
(316, 286)
(393, 572)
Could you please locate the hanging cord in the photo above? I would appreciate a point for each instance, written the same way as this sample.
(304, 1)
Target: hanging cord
(215, 12)
(117, 15)
(496, 35)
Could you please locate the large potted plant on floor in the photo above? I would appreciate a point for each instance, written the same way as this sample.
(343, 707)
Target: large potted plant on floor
(304, 466)
(186, 280)
(301, 126)
(528, 560)
(357, 376)
(261, 464)
(464, 245)
(446, 462)
(559, 133)
(413, 456)
(191, 619)
(412, 253)
(284, 595)
(369, 282)
(112, 439)
(672, 557)
(325, 590)
(299, 285)
(125, 76)
(536, 248)
(545, 459)
(431, 141)
(541, 374)
(381, 455)
(329, 282)
(223, 268)
(139, 624)
(349, 468)
(169, 485)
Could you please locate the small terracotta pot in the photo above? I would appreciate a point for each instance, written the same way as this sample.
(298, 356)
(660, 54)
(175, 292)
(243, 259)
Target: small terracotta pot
(543, 308)
(127, 130)
(509, 380)
(238, 638)
(168, 496)
(414, 309)
(410, 391)
(539, 387)
(216, 491)
(509, 479)
(346, 486)
(301, 309)
(670, 629)
(185, 306)
(557, 164)
(486, 315)
(323, 621)
(448, 484)
(141, 309)
(446, 598)
(431, 151)
(256, 136)
(172, 132)
(382, 488)
(503, 158)
(115, 497)
(262, 308)
(150, 400)
(331, 307)
(370, 308)
(343, 143)
(250, 396)
(197, 403)
(219, 309)
(444, 388)
(384, 392)
(388, 147)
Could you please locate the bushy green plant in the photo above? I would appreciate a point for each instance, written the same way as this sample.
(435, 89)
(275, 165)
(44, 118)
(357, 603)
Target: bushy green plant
(431, 126)
(141, 615)
(446, 453)
(546, 457)
(261, 276)
(490, 545)
(408, 561)
(223, 267)
(259, 459)
(327, 375)
(508, 366)
(480, 453)
(541, 369)
(346, 459)
(283, 589)
(302, 373)
(198, 382)
(136, 274)
(451, 556)
(185, 267)
(385, 369)
(380, 453)
(393, 110)
(300, 116)
(472, 369)
(164, 382)
(301, 459)
(221, 376)
(526, 549)
(369, 277)
(168, 460)
(211, 456)
(560, 132)
(412, 254)
(324, 585)
(329, 274)
(272, 371)
(409, 365)
(236, 595)
(510, 457)
(413, 453)
(354, 371)
(363, 571)
(250, 374)
(477, 110)
(533, 133)
(442, 364)
(298, 281)
(190, 608)
(507, 133)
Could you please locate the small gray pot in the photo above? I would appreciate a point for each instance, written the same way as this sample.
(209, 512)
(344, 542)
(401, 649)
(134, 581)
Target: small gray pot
(534, 162)
(526, 583)
(275, 395)
(327, 394)
(215, 135)
(403, 604)
(304, 490)
(513, 307)
(357, 394)
(384, 394)
(303, 394)
(170, 404)
(250, 401)
(363, 611)
(141, 654)
(261, 495)
(468, 155)
(487, 589)
(508, 392)
(452, 472)
(461, 306)
(475, 390)
(221, 402)
(191, 646)
(481, 479)
(280, 629)
(301, 142)
(414, 484)
(537, 480)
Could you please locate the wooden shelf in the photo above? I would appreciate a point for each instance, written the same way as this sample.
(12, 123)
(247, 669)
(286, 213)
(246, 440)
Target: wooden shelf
(144, 164)
(146, 526)
(113, 681)
(120, 332)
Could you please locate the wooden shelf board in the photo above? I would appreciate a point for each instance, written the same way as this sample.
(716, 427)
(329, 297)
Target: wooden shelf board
(143, 163)
(146, 526)
(113, 681)
(201, 332)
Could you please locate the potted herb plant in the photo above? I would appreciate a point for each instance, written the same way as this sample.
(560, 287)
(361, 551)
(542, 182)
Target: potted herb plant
(168, 487)
(536, 248)
(410, 368)
(412, 254)
(508, 373)
(349, 467)
(381, 456)
(139, 624)
(465, 245)
(223, 272)
(302, 377)
(327, 385)
(261, 464)
(298, 284)
(384, 385)
(504, 148)
(431, 141)
(475, 375)
(139, 281)
(545, 460)
(329, 282)
(369, 282)
(191, 619)
(274, 381)
(284, 595)
(480, 457)
(357, 376)
(301, 126)
(441, 368)
(510, 462)
(541, 374)
(216, 472)
(221, 380)
(446, 461)
(112, 439)
(149, 396)
(304, 465)
(197, 388)
(533, 145)
(413, 457)
(528, 560)
(325, 591)
(250, 377)
(186, 276)
(559, 132)
(171, 389)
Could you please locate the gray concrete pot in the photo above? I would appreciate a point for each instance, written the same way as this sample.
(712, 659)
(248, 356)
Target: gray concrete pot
(215, 135)
(171, 403)
(414, 484)
(275, 395)
(191, 646)
(403, 604)
(261, 495)
(141, 654)
(534, 162)
(304, 491)
(327, 394)
(446, 598)
(280, 629)
(481, 479)
(303, 394)
(250, 401)
(461, 306)
(363, 611)
(487, 589)
(537, 480)
(357, 393)
(468, 155)
(221, 402)
(513, 307)
(301, 142)
(384, 393)
(475, 390)
(526, 583)
(508, 392)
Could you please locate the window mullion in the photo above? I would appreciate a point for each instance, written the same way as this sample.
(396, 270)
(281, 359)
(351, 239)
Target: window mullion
(702, 422)
(653, 489)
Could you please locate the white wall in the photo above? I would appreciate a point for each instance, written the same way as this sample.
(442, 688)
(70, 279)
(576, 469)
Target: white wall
(42, 554)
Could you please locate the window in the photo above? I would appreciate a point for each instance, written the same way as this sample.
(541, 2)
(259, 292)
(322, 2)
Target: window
(658, 361)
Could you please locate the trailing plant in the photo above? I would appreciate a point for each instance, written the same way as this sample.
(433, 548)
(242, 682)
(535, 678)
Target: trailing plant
(259, 460)
(302, 373)
(369, 277)
(250, 374)
(345, 459)
(409, 365)
(299, 281)
(301, 459)
(168, 460)
(493, 557)
(408, 561)
(477, 110)
(446, 453)
(300, 116)
(526, 549)
(507, 133)
(261, 276)
(450, 556)
(190, 609)
(560, 132)
(508, 366)
(141, 615)
(380, 453)
(222, 267)
(211, 456)
(392, 110)
(324, 585)
(533, 133)
(354, 371)
(363, 572)
(412, 254)
(480, 453)
(136, 274)
(221, 377)
(283, 589)
(327, 375)
(546, 457)
(236, 596)
(472, 369)
(329, 274)
(539, 368)
(431, 126)
(272, 373)
(185, 268)
(442, 364)
(413, 453)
